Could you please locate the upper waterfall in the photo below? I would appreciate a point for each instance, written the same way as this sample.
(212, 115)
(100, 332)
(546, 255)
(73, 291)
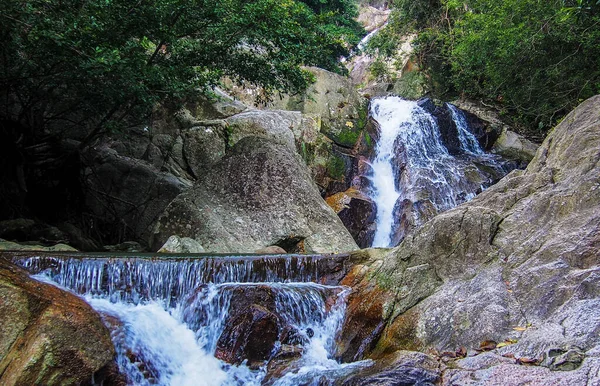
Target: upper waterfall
(414, 176)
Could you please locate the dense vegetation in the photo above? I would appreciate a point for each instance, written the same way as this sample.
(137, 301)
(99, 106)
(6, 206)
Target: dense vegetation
(78, 69)
(537, 59)
(102, 63)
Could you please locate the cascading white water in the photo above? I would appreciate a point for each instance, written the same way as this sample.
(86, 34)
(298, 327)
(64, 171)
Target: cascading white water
(166, 316)
(468, 142)
(413, 174)
(393, 114)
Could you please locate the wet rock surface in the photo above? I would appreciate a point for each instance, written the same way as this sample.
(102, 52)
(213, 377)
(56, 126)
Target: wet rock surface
(357, 212)
(48, 336)
(249, 336)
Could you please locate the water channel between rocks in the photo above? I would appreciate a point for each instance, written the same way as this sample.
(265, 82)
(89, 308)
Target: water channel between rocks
(269, 319)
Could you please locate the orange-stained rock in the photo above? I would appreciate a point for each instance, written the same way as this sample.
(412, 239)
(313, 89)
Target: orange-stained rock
(357, 212)
(48, 336)
(365, 316)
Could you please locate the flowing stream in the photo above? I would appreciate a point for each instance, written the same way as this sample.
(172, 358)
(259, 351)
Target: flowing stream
(414, 176)
(167, 316)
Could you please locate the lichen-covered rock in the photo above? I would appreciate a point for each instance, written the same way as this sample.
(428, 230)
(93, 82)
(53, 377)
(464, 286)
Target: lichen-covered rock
(202, 148)
(514, 146)
(372, 17)
(520, 262)
(259, 195)
(48, 336)
(12, 246)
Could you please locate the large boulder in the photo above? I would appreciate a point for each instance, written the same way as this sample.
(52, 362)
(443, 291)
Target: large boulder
(258, 195)
(519, 263)
(48, 336)
(514, 146)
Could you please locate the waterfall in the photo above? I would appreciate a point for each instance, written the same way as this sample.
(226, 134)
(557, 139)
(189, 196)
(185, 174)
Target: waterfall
(413, 175)
(468, 142)
(167, 316)
(388, 112)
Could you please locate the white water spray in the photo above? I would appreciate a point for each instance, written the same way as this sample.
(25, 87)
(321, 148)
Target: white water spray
(393, 114)
(468, 142)
(166, 323)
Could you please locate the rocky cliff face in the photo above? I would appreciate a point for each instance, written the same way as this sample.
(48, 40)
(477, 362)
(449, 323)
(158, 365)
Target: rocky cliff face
(519, 264)
(130, 181)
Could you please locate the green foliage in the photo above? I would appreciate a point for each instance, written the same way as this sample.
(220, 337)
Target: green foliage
(537, 59)
(339, 29)
(411, 85)
(379, 69)
(348, 136)
(105, 63)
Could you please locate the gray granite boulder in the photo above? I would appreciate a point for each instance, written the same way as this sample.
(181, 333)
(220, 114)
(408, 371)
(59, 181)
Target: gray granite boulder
(260, 194)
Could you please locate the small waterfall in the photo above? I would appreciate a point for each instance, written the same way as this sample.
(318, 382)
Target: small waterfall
(167, 316)
(468, 142)
(138, 279)
(414, 176)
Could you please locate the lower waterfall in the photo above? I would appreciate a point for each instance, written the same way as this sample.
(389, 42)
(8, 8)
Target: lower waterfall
(168, 317)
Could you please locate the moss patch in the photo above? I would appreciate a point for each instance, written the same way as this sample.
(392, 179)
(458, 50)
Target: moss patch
(336, 167)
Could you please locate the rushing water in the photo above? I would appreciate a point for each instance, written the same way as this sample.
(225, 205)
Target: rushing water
(468, 142)
(166, 315)
(413, 174)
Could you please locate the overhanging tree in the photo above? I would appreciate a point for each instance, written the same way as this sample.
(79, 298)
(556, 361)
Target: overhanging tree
(97, 64)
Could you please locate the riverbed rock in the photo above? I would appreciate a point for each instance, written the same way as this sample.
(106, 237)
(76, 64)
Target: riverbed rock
(176, 244)
(251, 336)
(372, 17)
(48, 336)
(520, 262)
(401, 368)
(261, 194)
(271, 250)
(12, 246)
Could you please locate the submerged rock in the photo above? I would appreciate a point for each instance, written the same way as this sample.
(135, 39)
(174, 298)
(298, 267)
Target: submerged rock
(48, 336)
(518, 263)
(249, 336)
(258, 195)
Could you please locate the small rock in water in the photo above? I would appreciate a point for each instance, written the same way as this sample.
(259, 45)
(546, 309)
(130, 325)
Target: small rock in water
(176, 244)
(271, 250)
